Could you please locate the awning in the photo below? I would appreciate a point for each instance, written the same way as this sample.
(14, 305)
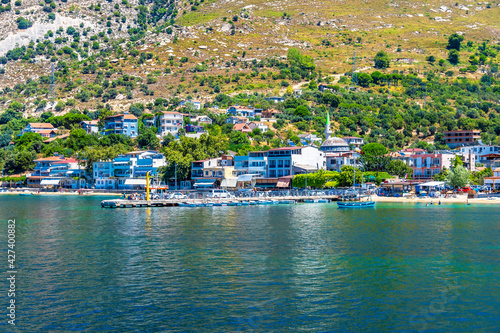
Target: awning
(284, 182)
(135, 181)
(305, 167)
(432, 184)
(204, 182)
(265, 185)
(50, 182)
(229, 182)
(246, 178)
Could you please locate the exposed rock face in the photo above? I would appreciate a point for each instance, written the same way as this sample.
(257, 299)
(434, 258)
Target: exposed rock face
(38, 30)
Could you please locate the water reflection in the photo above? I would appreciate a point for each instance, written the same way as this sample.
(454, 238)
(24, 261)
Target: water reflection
(307, 267)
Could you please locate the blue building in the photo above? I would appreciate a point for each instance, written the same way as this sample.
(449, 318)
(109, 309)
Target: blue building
(127, 171)
(241, 111)
(125, 124)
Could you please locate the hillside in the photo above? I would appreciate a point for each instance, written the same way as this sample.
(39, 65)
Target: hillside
(421, 67)
(211, 34)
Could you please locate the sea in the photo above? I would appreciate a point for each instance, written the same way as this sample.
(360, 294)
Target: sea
(309, 267)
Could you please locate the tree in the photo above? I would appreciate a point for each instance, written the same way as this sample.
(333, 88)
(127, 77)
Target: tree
(301, 111)
(454, 42)
(374, 157)
(459, 177)
(382, 60)
(148, 140)
(346, 176)
(399, 168)
(454, 57)
(364, 79)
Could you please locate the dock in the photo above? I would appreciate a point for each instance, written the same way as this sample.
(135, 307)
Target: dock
(121, 203)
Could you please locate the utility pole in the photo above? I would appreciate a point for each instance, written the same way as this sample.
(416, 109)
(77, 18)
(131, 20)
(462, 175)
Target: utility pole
(52, 82)
(354, 75)
(175, 176)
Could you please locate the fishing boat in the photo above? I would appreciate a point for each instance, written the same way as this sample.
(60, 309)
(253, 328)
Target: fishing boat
(352, 198)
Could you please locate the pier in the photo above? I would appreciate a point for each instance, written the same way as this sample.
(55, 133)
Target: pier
(122, 203)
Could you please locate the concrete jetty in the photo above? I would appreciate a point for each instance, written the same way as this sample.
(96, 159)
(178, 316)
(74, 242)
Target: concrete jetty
(122, 203)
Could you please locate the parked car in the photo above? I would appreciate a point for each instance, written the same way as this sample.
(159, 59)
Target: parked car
(177, 196)
(219, 194)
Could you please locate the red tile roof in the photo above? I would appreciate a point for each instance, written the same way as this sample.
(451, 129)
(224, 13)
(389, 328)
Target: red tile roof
(41, 125)
(125, 116)
(49, 159)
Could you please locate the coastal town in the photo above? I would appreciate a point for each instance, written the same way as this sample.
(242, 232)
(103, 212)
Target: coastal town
(264, 170)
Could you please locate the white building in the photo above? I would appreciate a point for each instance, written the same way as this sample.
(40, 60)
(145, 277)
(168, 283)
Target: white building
(288, 161)
(480, 151)
(170, 122)
(90, 126)
(259, 125)
(352, 140)
(335, 161)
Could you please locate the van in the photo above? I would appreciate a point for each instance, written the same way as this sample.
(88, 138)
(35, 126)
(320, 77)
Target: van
(219, 194)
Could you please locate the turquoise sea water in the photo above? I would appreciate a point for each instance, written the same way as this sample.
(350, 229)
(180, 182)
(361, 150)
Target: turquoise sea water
(283, 268)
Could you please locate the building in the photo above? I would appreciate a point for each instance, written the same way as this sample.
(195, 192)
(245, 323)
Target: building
(333, 144)
(241, 111)
(195, 104)
(480, 152)
(58, 172)
(202, 120)
(241, 165)
(324, 87)
(243, 128)
(236, 120)
(90, 126)
(125, 124)
(40, 128)
(257, 163)
(275, 99)
(127, 171)
(493, 182)
(426, 165)
(355, 141)
(461, 138)
(335, 161)
(288, 161)
(211, 168)
(190, 128)
(271, 113)
(406, 155)
(259, 125)
(170, 122)
(309, 139)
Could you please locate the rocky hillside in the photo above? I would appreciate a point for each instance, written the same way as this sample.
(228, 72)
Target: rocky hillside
(179, 48)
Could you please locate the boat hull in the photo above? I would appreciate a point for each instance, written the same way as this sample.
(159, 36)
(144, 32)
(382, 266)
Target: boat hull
(355, 204)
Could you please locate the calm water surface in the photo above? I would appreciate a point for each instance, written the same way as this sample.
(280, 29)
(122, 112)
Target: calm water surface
(300, 268)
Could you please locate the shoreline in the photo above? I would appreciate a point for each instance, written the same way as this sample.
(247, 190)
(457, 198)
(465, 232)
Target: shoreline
(34, 193)
(460, 199)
